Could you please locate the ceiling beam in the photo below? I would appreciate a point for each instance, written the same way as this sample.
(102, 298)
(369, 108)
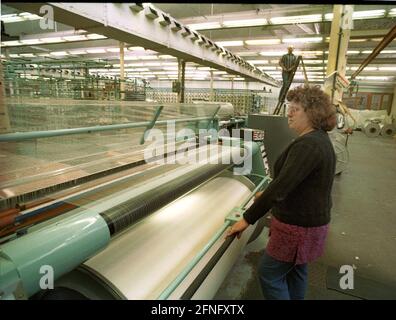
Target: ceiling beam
(142, 27)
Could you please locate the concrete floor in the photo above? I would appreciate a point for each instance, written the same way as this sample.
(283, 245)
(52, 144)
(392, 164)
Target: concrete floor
(362, 232)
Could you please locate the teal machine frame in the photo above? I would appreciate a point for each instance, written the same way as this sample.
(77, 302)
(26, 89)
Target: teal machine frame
(78, 237)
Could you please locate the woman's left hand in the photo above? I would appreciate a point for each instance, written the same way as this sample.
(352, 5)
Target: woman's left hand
(238, 228)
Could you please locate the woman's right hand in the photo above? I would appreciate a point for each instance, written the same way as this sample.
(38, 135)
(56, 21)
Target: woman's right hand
(238, 228)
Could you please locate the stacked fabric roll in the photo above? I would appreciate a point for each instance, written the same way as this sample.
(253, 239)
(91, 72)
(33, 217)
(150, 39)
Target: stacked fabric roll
(387, 130)
(371, 128)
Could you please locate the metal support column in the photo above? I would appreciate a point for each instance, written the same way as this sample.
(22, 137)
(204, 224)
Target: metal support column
(211, 86)
(337, 58)
(122, 71)
(11, 84)
(181, 76)
(4, 119)
(232, 85)
(393, 110)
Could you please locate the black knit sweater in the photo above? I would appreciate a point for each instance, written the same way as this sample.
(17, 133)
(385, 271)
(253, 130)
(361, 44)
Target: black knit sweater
(300, 193)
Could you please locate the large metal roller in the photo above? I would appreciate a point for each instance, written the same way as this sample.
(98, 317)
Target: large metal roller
(142, 261)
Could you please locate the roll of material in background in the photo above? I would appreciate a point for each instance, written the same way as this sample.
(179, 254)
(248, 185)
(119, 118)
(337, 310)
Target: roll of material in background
(387, 130)
(371, 129)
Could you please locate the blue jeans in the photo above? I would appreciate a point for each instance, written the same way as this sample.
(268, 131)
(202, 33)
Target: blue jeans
(282, 280)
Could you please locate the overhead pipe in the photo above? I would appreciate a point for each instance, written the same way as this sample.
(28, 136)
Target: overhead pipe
(385, 41)
(20, 136)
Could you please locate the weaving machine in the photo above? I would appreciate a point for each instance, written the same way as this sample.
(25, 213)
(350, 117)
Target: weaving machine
(91, 209)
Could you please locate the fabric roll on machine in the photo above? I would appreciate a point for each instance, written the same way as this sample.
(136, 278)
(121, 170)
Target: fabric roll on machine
(154, 229)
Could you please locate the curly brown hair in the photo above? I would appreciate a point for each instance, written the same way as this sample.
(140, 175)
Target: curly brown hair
(316, 104)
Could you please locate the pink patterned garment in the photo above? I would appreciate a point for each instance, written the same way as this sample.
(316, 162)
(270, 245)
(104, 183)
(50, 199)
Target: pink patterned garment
(290, 243)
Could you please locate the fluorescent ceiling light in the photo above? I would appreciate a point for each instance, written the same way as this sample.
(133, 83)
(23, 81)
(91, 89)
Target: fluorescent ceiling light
(114, 50)
(245, 23)
(314, 68)
(235, 43)
(388, 51)
(10, 43)
(99, 50)
(392, 12)
(306, 61)
(382, 52)
(166, 56)
(262, 42)
(43, 54)
(204, 26)
(219, 72)
(353, 52)
(258, 61)
(59, 53)
(75, 38)
(169, 64)
(367, 14)
(387, 68)
(77, 52)
(365, 69)
(372, 78)
(272, 53)
(136, 49)
(5, 16)
(297, 19)
(12, 19)
(27, 55)
(52, 40)
(358, 40)
(13, 55)
(302, 40)
(29, 16)
(137, 69)
(30, 41)
(94, 36)
(356, 15)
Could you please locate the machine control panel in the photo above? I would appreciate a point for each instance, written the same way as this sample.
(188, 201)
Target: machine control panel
(255, 134)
